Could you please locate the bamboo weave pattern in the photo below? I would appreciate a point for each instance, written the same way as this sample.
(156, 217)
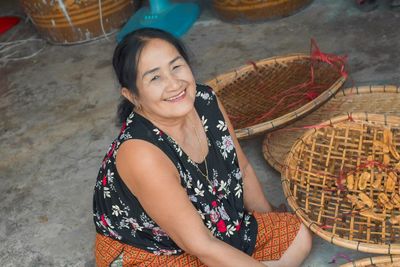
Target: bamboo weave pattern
(272, 92)
(315, 182)
(381, 261)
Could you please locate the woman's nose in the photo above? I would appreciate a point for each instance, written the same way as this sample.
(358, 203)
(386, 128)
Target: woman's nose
(173, 82)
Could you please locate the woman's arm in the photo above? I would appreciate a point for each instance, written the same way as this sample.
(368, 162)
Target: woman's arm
(154, 180)
(254, 198)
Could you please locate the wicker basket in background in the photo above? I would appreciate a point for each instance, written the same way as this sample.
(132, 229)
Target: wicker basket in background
(316, 181)
(256, 10)
(71, 22)
(251, 91)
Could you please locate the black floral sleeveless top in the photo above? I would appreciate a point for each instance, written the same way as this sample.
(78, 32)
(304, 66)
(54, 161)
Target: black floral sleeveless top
(219, 201)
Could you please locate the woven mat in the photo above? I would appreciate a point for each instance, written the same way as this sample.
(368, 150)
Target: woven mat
(341, 179)
(381, 261)
(374, 99)
(269, 93)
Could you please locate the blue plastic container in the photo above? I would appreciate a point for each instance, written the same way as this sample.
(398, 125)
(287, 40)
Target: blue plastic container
(176, 18)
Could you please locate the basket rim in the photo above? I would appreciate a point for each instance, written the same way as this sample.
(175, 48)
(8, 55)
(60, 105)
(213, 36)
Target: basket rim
(334, 239)
(343, 93)
(217, 82)
(256, 6)
(373, 260)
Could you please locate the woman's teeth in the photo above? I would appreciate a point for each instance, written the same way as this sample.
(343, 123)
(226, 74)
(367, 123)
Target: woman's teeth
(177, 97)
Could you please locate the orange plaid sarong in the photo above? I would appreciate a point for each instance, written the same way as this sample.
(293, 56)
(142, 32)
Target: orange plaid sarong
(276, 231)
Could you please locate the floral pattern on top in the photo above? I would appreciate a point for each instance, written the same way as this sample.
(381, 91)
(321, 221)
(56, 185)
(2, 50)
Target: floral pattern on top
(118, 214)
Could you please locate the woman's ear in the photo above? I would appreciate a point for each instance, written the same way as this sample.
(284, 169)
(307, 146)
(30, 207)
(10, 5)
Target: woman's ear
(128, 95)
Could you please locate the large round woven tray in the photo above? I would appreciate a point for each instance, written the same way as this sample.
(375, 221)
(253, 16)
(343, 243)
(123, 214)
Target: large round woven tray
(272, 92)
(316, 181)
(256, 10)
(382, 99)
(381, 261)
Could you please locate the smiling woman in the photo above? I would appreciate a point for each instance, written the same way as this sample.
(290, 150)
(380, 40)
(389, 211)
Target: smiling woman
(175, 188)
(168, 87)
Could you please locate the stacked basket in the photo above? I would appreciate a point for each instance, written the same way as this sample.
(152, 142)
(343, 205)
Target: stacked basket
(339, 161)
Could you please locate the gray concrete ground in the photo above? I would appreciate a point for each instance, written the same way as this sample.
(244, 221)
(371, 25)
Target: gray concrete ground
(57, 111)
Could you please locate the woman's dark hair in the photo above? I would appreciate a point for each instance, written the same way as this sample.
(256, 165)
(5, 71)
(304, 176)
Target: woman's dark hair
(126, 57)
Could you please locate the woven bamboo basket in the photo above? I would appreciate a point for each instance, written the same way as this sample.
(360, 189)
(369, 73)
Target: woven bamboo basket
(256, 10)
(382, 99)
(251, 91)
(340, 178)
(71, 22)
(380, 261)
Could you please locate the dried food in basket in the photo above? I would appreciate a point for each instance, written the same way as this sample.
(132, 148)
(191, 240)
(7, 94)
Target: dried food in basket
(344, 186)
(382, 99)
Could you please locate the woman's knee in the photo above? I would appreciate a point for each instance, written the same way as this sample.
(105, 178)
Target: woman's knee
(299, 249)
(305, 237)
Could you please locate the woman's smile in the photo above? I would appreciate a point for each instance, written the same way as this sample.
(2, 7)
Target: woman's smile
(164, 79)
(176, 98)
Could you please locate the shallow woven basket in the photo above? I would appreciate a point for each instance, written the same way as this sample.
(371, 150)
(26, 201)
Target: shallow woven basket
(255, 10)
(381, 261)
(314, 181)
(382, 99)
(247, 91)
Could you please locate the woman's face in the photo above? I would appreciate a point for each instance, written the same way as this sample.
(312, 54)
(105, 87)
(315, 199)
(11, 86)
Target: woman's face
(165, 82)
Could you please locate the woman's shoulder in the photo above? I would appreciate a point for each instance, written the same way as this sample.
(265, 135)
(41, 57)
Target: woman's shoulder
(136, 127)
(132, 154)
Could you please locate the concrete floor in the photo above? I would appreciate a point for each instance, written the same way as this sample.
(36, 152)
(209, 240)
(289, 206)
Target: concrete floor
(57, 111)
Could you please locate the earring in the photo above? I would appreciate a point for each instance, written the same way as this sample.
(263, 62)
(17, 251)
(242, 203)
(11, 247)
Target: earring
(138, 107)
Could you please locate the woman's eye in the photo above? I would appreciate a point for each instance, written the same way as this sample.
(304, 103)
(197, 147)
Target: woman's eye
(176, 67)
(156, 77)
